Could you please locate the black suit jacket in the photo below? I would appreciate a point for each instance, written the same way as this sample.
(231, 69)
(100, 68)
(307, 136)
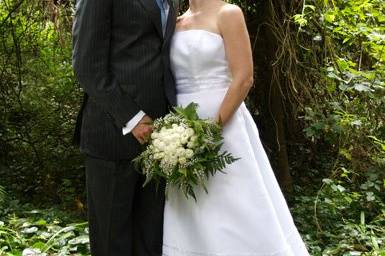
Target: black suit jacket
(121, 60)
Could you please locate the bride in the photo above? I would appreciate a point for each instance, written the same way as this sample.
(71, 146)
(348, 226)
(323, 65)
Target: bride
(244, 212)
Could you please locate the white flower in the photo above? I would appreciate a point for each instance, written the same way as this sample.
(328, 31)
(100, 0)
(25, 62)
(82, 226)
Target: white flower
(184, 137)
(170, 160)
(162, 136)
(191, 144)
(190, 132)
(173, 146)
(193, 138)
(157, 156)
(174, 160)
(182, 160)
(175, 138)
(184, 140)
(154, 135)
(180, 129)
(189, 153)
(180, 151)
(163, 146)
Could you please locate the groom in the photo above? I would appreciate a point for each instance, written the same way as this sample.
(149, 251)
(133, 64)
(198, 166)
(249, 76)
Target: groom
(121, 60)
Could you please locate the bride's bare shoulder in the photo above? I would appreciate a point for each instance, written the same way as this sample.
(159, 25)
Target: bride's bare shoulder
(229, 13)
(230, 10)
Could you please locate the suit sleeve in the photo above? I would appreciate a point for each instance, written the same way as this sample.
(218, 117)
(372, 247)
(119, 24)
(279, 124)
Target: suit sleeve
(133, 122)
(91, 58)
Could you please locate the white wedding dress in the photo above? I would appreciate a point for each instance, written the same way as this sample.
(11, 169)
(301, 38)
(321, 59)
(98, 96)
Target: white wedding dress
(244, 212)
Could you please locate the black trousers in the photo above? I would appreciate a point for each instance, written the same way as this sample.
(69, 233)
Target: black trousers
(125, 219)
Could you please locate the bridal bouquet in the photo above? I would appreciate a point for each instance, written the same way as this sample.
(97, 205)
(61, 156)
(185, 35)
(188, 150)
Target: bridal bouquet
(183, 150)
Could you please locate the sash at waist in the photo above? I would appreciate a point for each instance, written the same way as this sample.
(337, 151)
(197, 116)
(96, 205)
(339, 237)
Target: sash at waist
(191, 85)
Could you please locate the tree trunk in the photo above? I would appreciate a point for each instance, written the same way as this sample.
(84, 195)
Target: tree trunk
(266, 97)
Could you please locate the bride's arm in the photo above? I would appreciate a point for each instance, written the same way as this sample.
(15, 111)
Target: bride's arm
(232, 26)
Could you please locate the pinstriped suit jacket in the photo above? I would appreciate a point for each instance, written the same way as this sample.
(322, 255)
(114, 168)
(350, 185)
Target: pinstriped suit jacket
(121, 60)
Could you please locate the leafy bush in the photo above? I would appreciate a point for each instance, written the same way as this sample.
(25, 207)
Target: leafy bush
(41, 232)
(347, 219)
(38, 104)
(342, 59)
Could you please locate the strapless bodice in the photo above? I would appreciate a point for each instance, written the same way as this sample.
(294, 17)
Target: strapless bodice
(198, 61)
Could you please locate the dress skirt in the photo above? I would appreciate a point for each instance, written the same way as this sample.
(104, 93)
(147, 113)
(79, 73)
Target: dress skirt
(244, 212)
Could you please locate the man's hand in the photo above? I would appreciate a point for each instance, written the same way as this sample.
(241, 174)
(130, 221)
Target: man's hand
(143, 129)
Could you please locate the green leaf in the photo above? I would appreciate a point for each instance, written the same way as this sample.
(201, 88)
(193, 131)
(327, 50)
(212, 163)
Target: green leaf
(362, 217)
(84, 239)
(330, 17)
(189, 112)
(39, 245)
(309, 6)
(40, 222)
(362, 87)
(183, 171)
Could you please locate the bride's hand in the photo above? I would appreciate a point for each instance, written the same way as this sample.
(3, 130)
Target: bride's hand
(218, 121)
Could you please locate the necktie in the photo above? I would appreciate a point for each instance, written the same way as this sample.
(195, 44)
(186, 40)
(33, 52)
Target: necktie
(164, 8)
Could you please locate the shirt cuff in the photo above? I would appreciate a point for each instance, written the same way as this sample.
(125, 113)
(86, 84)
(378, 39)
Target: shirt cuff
(133, 122)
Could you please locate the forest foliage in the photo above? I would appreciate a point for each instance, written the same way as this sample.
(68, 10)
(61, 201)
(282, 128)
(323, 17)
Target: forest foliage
(320, 84)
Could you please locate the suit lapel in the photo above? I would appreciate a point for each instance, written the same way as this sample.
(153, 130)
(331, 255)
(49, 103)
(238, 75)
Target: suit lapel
(153, 10)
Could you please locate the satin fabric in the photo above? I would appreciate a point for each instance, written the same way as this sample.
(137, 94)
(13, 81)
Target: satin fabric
(244, 212)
